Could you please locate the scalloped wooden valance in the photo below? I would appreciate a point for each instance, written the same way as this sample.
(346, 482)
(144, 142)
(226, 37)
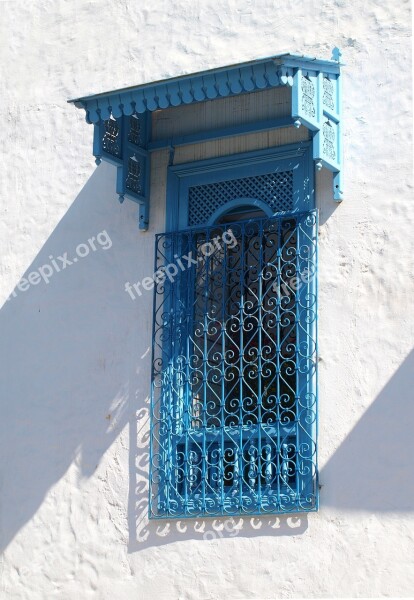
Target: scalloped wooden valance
(122, 127)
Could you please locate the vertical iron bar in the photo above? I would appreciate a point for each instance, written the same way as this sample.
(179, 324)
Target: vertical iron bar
(205, 329)
(171, 384)
(223, 338)
(203, 412)
(298, 391)
(259, 366)
(241, 349)
(152, 408)
(278, 362)
(314, 387)
(187, 400)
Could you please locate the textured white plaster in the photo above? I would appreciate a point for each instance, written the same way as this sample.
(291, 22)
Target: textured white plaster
(75, 355)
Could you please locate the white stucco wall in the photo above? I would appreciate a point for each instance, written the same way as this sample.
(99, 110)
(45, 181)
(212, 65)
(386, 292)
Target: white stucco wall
(75, 352)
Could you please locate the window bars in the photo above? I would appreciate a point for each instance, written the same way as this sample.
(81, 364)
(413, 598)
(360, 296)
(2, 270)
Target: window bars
(233, 408)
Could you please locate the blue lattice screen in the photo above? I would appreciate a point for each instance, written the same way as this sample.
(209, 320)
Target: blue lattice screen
(233, 409)
(274, 189)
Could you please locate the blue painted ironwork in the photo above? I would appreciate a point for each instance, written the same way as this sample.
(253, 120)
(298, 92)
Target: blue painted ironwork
(316, 104)
(233, 408)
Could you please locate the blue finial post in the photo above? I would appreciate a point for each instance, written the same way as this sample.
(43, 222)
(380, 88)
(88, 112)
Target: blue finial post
(336, 54)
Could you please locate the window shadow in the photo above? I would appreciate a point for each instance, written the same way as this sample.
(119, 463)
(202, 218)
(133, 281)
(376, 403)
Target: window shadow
(73, 379)
(65, 385)
(144, 533)
(372, 470)
(74, 373)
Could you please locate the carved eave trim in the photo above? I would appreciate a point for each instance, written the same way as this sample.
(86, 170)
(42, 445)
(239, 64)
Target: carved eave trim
(122, 128)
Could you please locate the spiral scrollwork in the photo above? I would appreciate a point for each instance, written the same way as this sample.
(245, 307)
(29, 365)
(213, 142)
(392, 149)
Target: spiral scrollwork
(233, 408)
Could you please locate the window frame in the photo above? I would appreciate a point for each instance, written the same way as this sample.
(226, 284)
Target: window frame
(182, 176)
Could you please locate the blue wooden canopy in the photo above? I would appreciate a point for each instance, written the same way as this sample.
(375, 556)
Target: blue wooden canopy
(122, 127)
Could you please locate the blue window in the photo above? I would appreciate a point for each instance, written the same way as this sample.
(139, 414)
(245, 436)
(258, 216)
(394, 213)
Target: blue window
(233, 401)
(233, 408)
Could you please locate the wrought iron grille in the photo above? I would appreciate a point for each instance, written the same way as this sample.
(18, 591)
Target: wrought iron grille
(233, 409)
(275, 189)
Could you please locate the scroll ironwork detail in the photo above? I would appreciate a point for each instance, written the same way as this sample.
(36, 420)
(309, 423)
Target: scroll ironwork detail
(233, 407)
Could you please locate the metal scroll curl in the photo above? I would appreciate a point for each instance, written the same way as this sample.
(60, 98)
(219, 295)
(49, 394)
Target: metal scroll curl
(233, 409)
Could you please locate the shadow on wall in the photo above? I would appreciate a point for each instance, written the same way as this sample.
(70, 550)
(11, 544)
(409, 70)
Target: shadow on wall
(372, 470)
(144, 533)
(65, 380)
(73, 378)
(75, 370)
